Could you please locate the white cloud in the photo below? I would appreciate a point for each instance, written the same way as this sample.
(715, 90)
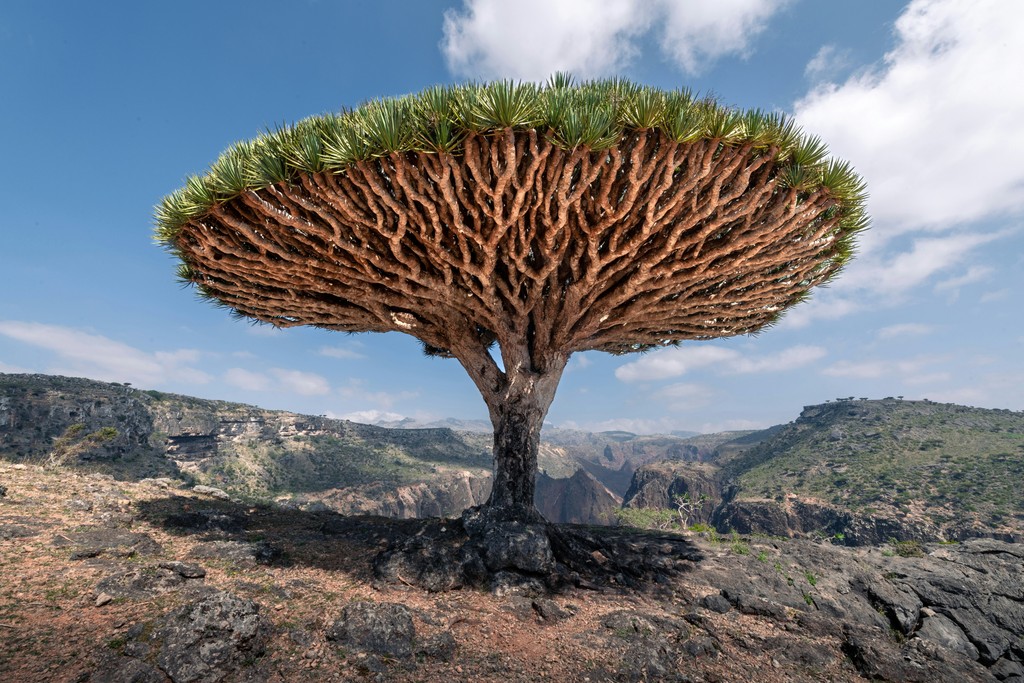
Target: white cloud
(929, 378)
(734, 425)
(279, 380)
(247, 380)
(826, 63)
(531, 39)
(935, 130)
(259, 330)
(904, 330)
(973, 274)
(356, 390)
(684, 396)
(995, 295)
(578, 362)
(673, 362)
(304, 383)
(678, 361)
(340, 352)
(896, 274)
(882, 278)
(662, 425)
(92, 355)
(699, 32)
(825, 305)
(787, 359)
(995, 390)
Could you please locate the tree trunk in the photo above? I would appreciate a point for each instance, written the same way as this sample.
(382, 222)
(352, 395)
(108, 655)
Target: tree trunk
(517, 414)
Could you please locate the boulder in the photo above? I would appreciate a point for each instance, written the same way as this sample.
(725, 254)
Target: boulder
(378, 628)
(206, 640)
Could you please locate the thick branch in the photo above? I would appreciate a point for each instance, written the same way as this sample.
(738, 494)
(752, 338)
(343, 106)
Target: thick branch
(648, 243)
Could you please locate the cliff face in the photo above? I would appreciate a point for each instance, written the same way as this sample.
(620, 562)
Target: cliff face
(444, 496)
(579, 499)
(657, 486)
(35, 410)
(246, 450)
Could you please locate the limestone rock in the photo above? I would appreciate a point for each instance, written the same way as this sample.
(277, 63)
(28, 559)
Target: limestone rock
(211, 491)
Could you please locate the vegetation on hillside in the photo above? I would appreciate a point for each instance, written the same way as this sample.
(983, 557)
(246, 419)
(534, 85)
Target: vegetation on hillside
(946, 460)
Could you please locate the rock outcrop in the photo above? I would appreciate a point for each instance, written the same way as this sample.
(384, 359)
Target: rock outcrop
(579, 499)
(657, 485)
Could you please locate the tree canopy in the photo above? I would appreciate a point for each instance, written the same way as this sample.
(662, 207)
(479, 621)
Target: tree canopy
(648, 217)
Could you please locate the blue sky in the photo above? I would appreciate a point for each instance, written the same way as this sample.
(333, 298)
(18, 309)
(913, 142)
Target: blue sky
(108, 107)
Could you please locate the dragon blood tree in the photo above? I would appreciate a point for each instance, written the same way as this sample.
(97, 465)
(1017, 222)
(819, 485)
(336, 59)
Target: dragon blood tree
(544, 220)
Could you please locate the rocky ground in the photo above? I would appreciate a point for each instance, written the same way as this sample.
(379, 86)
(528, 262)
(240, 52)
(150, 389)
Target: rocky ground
(102, 580)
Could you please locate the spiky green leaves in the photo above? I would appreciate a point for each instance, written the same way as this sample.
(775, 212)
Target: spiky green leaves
(592, 116)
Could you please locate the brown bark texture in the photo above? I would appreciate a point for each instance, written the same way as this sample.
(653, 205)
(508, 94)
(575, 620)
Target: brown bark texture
(544, 250)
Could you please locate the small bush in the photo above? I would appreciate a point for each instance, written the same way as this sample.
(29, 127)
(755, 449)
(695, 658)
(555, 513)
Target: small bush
(648, 518)
(907, 548)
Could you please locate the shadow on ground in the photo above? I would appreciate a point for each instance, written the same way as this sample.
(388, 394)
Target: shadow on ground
(365, 546)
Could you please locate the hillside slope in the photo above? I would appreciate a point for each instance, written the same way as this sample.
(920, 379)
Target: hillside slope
(859, 471)
(299, 460)
(943, 465)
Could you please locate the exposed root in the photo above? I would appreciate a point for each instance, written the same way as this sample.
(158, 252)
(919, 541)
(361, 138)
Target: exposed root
(480, 551)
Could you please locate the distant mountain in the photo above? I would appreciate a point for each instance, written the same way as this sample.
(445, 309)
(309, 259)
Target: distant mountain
(447, 423)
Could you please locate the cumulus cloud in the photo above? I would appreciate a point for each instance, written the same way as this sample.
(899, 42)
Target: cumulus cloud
(13, 369)
(995, 295)
(993, 390)
(696, 33)
(899, 272)
(680, 360)
(531, 39)
(664, 425)
(91, 355)
(882, 278)
(973, 274)
(935, 129)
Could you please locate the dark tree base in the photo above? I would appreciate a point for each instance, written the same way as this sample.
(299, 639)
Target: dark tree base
(483, 550)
